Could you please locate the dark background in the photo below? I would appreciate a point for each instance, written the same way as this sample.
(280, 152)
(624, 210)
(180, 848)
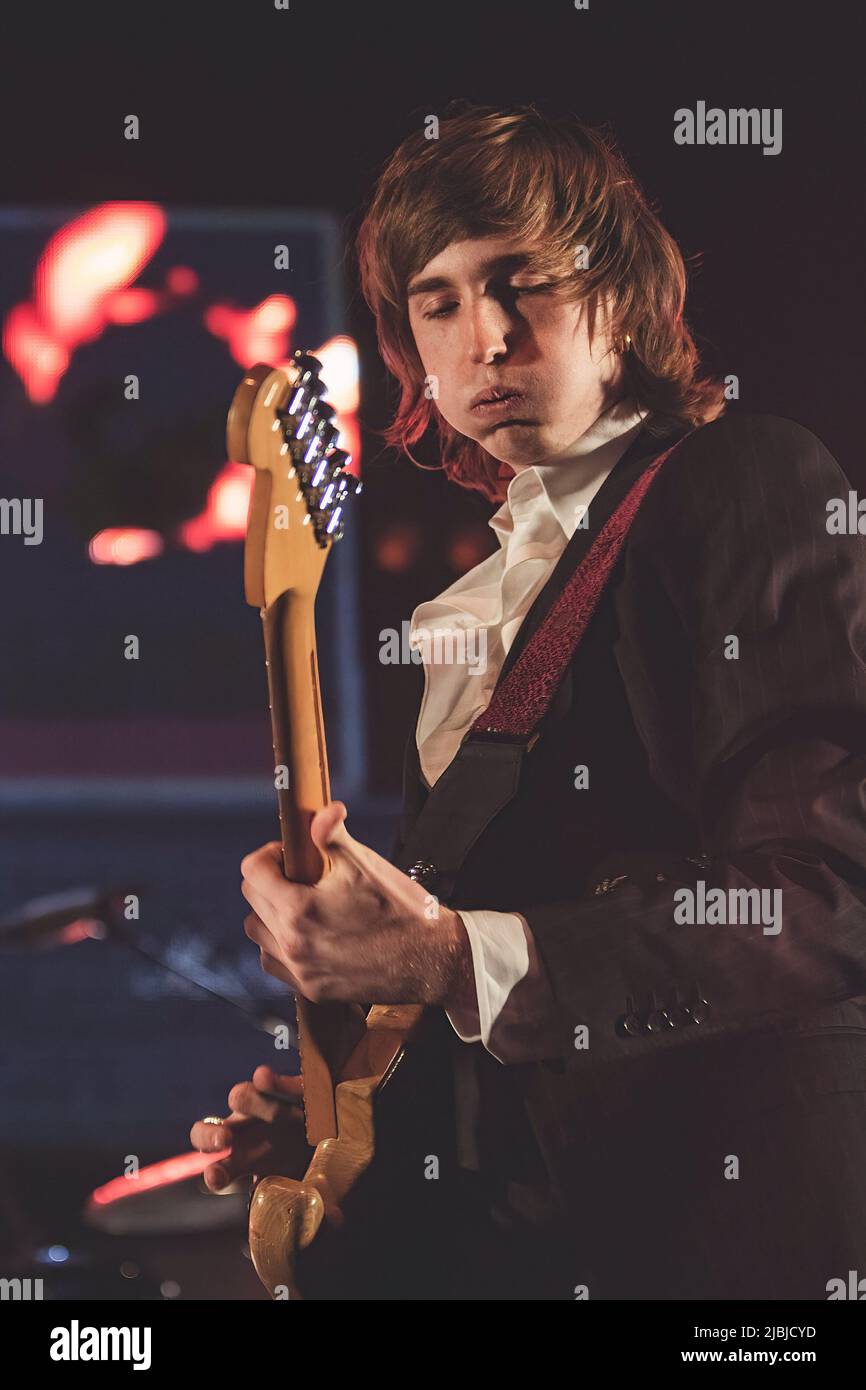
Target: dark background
(243, 106)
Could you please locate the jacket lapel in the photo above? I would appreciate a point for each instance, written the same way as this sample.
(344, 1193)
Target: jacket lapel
(642, 450)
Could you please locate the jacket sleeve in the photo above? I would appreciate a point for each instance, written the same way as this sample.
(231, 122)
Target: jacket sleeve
(513, 1011)
(771, 593)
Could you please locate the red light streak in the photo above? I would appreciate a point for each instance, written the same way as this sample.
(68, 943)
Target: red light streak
(38, 358)
(131, 306)
(260, 334)
(124, 545)
(224, 517)
(101, 251)
(82, 929)
(82, 285)
(161, 1174)
(182, 280)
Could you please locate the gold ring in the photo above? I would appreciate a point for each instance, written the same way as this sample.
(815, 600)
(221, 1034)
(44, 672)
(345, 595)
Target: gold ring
(212, 1120)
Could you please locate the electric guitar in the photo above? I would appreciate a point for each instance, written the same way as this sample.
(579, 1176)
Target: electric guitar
(280, 423)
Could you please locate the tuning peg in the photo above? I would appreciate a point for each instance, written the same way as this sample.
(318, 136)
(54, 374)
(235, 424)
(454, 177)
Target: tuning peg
(326, 433)
(338, 458)
(314, 453)
(320, 473)
(347, 487)
(298, 403)
(306, 362)
(339, 461)
(302, 426)
(335, 526)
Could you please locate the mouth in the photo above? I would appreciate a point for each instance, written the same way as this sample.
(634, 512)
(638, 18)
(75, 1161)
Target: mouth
(495, 400)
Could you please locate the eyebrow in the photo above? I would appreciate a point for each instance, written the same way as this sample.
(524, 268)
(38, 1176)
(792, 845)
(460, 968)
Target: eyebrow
(510, 263)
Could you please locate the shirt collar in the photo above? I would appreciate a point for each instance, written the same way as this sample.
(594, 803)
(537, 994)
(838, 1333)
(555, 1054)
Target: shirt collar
(574, 479)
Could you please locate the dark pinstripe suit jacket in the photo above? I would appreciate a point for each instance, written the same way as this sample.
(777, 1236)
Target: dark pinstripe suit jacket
(706, 1137)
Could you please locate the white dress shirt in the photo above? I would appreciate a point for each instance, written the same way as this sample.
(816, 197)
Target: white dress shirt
(464, 636)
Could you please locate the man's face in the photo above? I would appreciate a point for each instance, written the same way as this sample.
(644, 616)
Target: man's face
(484, 320)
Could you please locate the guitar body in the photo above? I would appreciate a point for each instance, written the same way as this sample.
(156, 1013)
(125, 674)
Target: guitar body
(286, 1214)
(280, 424)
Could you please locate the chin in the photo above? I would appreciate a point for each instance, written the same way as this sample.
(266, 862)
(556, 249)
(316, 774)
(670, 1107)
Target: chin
(518, 445)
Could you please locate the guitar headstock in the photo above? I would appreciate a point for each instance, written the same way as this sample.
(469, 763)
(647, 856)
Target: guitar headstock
(280, 423)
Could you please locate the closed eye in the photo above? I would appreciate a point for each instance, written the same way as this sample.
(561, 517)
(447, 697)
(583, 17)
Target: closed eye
(442, 312)
(445, 310)
(533, 289)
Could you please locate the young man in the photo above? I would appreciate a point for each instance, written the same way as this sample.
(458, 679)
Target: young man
(643, 1071)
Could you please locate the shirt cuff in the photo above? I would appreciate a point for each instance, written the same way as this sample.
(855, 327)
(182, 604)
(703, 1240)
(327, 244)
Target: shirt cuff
(511, 1022)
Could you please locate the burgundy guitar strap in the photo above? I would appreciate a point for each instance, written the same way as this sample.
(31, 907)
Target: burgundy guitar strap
(522, 699)
(485, 773)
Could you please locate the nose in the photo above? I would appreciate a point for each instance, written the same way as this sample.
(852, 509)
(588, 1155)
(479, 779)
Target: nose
(488, 330)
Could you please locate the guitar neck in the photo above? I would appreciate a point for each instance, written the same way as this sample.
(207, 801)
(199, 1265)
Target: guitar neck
(300, 753)
(326, 1032)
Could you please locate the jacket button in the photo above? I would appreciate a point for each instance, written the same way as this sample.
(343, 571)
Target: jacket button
(632, 1025)
(657, 1021)
(700, 1010)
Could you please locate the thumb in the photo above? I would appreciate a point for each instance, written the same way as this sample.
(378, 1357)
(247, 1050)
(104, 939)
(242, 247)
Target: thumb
(327, 829)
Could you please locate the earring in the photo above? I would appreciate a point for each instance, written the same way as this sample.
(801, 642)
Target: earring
(626, 343)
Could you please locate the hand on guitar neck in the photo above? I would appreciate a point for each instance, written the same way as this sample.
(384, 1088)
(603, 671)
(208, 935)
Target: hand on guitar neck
(264, 1132)
(365, 932)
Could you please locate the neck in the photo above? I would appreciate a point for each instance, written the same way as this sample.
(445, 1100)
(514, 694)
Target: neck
(614, 419)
